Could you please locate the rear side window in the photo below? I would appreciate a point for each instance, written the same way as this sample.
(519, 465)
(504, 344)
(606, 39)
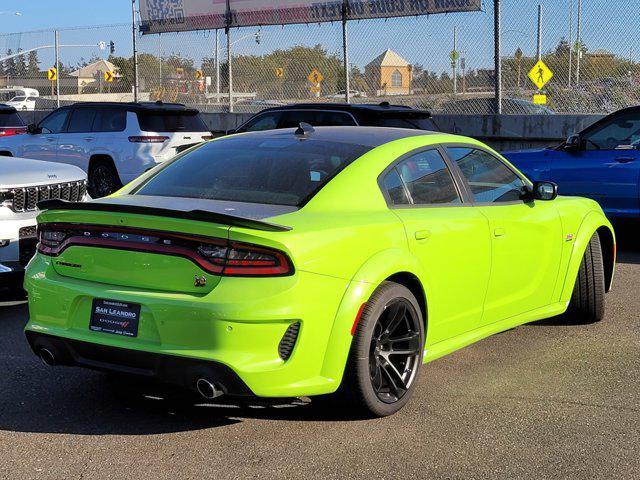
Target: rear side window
(281, 171)
(10, 120)
(489, 178)
(171, 122)
(81, 120)
(317, 118)
(427, 179)
(110, 120)
(417, 123)
(394, 187)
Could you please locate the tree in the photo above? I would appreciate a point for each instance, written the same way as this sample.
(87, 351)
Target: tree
(33, 64)
(21, 66)
(10, 65)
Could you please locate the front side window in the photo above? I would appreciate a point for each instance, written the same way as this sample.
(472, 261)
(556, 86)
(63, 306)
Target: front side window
(267, 121)
(621, 130)
(490, 180)
(425, 178)
(54, 123)
(272, 170)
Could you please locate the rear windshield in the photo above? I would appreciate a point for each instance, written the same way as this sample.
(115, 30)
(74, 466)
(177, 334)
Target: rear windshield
(10, 120)
(171, 122)
(281, 170)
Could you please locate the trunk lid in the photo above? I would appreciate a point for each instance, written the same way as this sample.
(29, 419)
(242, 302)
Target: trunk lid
(139, 242)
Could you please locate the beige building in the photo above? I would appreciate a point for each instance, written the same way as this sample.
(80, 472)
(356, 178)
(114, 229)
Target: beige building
(92, 75)
(389, 74)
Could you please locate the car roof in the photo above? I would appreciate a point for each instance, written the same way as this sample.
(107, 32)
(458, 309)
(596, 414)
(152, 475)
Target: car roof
(136, 106)
(365, 136)
(383, 107)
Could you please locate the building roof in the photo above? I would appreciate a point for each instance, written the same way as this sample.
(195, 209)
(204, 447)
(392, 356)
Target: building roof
(90, 70)
(388, 59)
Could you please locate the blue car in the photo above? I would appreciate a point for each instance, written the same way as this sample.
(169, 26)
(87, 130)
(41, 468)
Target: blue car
(602, 162)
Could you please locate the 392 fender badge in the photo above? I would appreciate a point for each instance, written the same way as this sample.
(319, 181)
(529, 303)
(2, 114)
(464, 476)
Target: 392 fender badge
(201, 281)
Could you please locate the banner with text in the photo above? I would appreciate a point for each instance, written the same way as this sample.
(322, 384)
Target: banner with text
(160, 16)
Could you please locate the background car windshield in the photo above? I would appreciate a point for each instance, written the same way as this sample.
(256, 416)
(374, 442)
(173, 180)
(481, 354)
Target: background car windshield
(18, 99)
(171, 122)
(11, 120)
(276, 170)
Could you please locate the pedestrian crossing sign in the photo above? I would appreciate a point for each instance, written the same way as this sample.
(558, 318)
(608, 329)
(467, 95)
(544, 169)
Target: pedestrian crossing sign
(540, 74)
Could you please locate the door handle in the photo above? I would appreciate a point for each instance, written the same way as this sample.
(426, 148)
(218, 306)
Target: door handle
(624, 159)
(89, 139)
(499, 232)
(51, 139)
(422, 234)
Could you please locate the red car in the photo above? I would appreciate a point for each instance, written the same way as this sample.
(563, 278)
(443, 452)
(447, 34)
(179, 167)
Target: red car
(10, 122)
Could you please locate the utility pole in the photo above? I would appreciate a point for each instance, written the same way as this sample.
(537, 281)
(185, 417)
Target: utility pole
(539, 50)
(217, 60)
(570, 40)
(454, 60)
(497, 60)
(345, 52)
(579, 43)
(135, 50)
(229, 69)
(57, 48)
(160, 57)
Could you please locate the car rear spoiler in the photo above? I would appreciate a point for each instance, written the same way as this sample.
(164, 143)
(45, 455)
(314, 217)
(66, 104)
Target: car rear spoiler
(199, 215)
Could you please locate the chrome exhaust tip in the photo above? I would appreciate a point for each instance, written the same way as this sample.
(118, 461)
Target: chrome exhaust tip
(208, 389)
(47, 357)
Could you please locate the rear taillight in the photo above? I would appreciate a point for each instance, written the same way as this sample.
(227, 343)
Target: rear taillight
(217, 256)
(148, 139)
(9, 131)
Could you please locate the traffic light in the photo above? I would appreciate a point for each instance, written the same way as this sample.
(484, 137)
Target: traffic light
(112, 47)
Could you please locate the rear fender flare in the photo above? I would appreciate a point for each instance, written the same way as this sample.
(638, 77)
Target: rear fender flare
(591, 223)
(370, 275)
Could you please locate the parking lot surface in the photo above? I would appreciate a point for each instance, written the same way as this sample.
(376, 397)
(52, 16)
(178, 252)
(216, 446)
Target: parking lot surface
(545, 400)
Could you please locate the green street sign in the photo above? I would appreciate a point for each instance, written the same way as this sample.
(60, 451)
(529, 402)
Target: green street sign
(454, 55)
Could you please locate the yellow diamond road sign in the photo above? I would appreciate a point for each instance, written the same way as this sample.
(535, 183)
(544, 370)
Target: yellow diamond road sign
(279, 72)
(315, 77)
(199, 74)
(540, 74)
(52, 74)
(108, 76)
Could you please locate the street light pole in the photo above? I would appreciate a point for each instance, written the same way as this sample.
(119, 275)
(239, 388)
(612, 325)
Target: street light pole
(217, 60)
(454, 60)
(570, 40)
(345, 52)
(135, 50)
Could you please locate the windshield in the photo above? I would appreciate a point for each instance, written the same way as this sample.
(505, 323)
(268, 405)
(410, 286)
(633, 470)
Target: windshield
(274, 170)
(171, 122)
(18, 99)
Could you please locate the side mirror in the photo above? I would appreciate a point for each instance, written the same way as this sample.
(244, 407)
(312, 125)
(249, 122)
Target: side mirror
(545, 191)
(33, 129)
(573, 143)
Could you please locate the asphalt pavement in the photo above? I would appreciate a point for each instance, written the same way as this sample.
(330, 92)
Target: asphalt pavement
(546, 400)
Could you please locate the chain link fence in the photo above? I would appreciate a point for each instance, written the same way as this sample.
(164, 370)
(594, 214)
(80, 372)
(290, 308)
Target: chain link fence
(443, 63)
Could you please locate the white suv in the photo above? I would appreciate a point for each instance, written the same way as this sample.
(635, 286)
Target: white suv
(113, 142)
(24, 183)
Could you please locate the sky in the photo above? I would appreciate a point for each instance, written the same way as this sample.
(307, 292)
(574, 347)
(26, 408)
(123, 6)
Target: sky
(608, 24)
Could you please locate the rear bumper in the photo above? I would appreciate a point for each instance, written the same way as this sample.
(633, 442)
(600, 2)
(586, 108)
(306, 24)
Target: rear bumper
(179, 371)
(239, 325)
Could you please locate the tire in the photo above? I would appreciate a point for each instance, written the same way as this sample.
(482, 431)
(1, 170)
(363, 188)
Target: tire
(103, 179)
(376, 382)
(587, 300)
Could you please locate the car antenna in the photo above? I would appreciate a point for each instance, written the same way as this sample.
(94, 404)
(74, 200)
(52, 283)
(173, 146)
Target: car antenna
(304, 129)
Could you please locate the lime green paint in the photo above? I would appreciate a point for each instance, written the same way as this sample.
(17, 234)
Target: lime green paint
(483, 268)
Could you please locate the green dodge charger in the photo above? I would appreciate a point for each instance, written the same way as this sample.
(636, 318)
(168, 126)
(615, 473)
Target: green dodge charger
(328, 262)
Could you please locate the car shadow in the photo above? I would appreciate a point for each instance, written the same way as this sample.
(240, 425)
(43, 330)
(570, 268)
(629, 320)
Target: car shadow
(36, 398)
